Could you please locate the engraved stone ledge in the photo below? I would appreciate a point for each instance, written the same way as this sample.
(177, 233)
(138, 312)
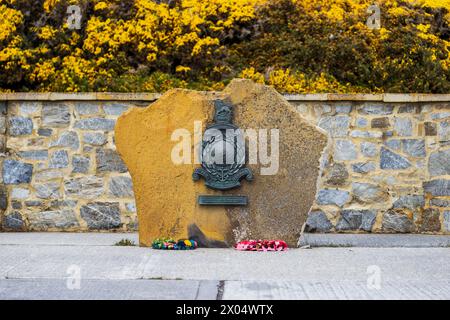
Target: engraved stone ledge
(114, 96)
(394, 97)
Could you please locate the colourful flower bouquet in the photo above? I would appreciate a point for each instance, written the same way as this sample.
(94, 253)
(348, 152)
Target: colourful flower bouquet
(171, 244)
(261, 245)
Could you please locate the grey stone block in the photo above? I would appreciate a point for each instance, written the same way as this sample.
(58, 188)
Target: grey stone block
(59, 159)
(80, 164)
(3, 108)
(13, 222)
(20, 126)
(50, 190)
(131, 206)
(87, 108)
(391, 160)
(62, 204)
(68, 139)
(345, 150)
(397, 222)
(343, 108)
(363, 167)
(393, 144)
(60, 219)
(48, 174)
(20, 193)
(108, 160)
(381, 109)
(387, 134)
(411, 202)
(34, 154)
(444, 131)
(33, 203)
(2, 124)
(121, 187)
(89, 187)
(369, 149)
(55, 115)
(440, 202)
(366, 134)
(447, 220)
(403, 127)
(3, 197)
(437, 188)
(337, 174)
(45, 132)
(336, 126)
(333, 197)
(408, 109)
(317, 221)
(100, 124)
(16, 205)
(101, 215)
(28, 108)
(114, 108)
(361, 122)
(440, 115)
(95, 138)
(16, 172)
(439, 163)
(414, 147)
(356, 220)
(367, 192)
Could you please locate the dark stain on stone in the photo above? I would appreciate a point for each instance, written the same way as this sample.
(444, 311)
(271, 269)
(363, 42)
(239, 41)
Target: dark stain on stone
(196, 234)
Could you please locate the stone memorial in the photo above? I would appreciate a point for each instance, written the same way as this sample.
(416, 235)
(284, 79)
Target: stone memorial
(220, 167)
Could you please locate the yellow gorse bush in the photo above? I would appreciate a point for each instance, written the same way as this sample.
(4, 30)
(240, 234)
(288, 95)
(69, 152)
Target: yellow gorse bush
(297, 46)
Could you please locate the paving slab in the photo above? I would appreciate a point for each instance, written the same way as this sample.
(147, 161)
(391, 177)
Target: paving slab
(65, 238)
(227, 264)
(52, 289)
(38, 266)
(95, 262)
(335, 290)
(317, 264)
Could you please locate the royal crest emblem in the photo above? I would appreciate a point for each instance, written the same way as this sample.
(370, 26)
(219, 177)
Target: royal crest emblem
(223, 152)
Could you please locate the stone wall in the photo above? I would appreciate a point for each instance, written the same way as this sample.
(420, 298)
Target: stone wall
(387, 168)
(61, 171)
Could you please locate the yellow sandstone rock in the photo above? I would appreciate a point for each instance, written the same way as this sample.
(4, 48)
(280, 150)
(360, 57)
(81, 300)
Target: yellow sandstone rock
(166, 195)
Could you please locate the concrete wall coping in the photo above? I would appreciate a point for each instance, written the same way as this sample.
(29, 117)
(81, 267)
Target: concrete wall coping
(113, 96)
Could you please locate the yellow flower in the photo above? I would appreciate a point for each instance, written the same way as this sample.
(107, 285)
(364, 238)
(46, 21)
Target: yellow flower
(252, 74)
(46, 33)
(100, 6)
(182, 69)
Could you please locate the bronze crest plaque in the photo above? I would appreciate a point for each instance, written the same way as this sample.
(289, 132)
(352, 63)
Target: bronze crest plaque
(223, 157)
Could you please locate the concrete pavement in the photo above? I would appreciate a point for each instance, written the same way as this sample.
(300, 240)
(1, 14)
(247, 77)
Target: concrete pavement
(89, 266)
